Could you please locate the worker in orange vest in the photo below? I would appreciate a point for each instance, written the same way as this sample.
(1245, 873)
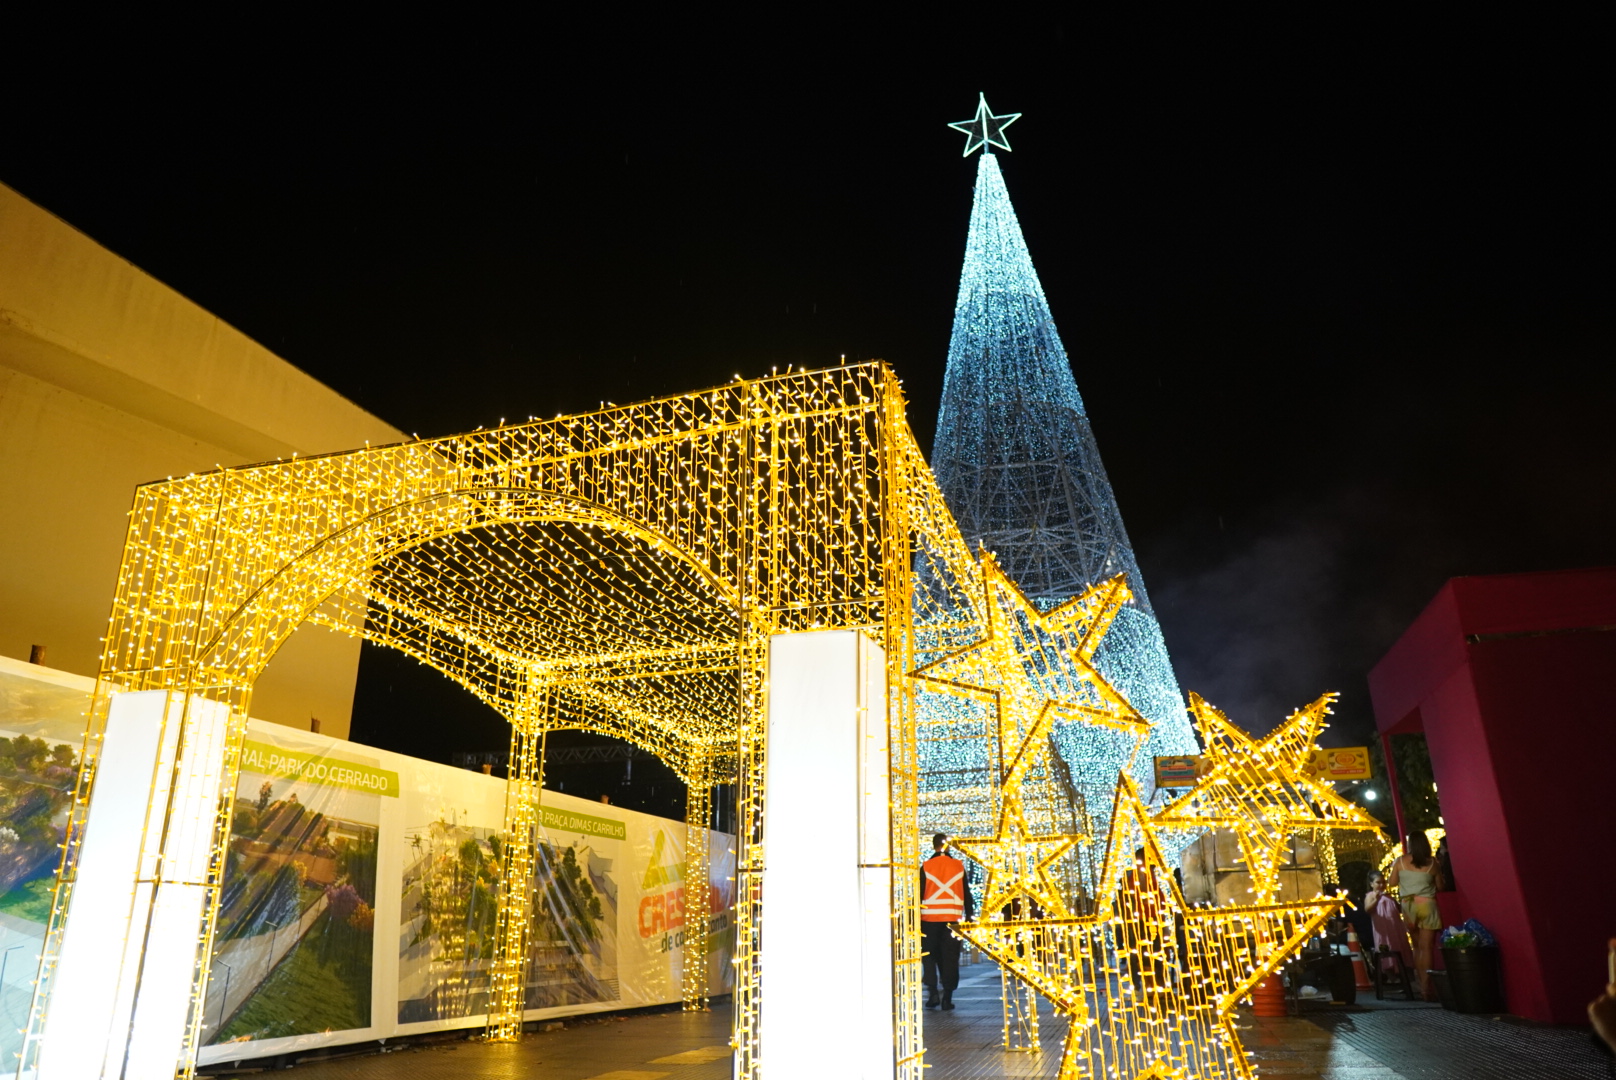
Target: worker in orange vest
(945, 899)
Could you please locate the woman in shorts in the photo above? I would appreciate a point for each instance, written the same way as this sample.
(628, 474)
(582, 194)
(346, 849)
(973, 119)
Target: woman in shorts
(1416, 877)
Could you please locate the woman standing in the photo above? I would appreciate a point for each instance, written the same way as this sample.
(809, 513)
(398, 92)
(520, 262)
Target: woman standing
(1416, 877)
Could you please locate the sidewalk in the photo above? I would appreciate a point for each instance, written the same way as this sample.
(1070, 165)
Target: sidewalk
(1370, 1041)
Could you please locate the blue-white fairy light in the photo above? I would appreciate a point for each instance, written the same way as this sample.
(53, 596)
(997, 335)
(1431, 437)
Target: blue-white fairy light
(1017, 461)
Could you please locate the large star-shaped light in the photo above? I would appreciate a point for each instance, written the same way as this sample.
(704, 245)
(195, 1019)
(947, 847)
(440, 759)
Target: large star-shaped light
(1037, 668)
(985, 129)
(1261, 790)
(1139, 1004)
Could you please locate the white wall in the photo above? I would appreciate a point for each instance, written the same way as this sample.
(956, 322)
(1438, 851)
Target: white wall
(109, 379)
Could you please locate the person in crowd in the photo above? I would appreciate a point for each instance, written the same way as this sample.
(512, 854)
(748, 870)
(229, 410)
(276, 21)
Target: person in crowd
(1444, 864)
(945, 899)
(1386, 920)
(1417, 878)
(1602, 1010)
(1356, 913)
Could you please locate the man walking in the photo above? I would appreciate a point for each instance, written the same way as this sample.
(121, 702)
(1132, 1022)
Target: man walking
(945, 899)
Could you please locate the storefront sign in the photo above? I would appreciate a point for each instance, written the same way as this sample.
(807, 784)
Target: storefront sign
(1340, 763)
(1179, 770)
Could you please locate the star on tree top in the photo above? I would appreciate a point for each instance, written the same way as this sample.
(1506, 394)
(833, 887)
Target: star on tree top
(985, 129)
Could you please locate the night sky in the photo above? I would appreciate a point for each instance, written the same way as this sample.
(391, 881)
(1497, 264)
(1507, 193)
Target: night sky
(1337, 294)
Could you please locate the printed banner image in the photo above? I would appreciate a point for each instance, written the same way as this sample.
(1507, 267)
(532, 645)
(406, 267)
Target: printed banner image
(295, 946)
(360, 892)
(720, 913)
(41, 735)
(574, 957)
(448, 894)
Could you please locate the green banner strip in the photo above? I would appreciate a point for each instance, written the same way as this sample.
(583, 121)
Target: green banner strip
(267, 759)
(569, 821)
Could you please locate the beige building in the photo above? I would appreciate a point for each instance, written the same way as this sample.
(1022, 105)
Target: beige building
(108, 379)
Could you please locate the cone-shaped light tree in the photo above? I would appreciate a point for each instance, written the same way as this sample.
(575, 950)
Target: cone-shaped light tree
(1017, 461)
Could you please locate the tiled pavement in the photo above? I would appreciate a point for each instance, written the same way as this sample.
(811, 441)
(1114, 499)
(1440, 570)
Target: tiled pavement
(1393, 1042)
(643, 1046)
(1428, 1043)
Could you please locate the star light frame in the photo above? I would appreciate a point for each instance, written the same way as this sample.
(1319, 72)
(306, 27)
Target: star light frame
(1260, 789)
(1140, 1002)
(984, 129)
(1137, 1004)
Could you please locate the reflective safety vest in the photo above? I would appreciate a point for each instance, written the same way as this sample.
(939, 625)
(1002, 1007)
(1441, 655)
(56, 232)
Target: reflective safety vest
(942, 897)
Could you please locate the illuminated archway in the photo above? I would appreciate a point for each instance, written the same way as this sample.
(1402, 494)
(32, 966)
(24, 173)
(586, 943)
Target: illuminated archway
(620, 571)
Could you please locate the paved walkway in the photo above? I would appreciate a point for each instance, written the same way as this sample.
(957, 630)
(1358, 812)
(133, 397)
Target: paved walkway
(1393, 1041)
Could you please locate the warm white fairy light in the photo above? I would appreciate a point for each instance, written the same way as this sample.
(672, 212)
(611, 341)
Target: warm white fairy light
(622, 572)
(1262, 790)
(1105, 950)
(619, 571)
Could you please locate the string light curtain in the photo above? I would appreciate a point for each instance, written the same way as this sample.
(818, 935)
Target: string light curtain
(622, 572)
(618, 572)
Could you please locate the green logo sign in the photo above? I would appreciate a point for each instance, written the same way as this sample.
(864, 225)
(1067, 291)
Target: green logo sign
(659, 870)
(570, 821)
(270, 760)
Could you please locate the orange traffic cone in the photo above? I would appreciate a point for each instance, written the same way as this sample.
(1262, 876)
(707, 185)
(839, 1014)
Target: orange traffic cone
(1268, 997)
(1360, 971)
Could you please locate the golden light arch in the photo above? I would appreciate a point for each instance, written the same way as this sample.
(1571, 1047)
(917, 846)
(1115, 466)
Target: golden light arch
(620, 570)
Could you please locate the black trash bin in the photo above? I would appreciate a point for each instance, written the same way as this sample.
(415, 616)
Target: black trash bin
(1343, 980)
(1474, 979)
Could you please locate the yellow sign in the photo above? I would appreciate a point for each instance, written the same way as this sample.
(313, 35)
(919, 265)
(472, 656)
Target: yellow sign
(1180, 770)
(1340, 763)
(267, 759)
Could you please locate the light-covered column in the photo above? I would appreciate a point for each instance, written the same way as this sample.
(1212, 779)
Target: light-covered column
(120, 997)
(826, 985)
(698, 885)
(513, 932)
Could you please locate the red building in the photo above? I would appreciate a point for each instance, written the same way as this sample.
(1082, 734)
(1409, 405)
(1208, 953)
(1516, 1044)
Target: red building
(1512, 679)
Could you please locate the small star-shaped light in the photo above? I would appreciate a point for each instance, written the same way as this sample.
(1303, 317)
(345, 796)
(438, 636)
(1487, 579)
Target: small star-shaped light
(1261, 790)
(985, 129)
(1018, 864)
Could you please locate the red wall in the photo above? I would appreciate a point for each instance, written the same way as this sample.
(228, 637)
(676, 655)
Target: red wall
(1513, 680)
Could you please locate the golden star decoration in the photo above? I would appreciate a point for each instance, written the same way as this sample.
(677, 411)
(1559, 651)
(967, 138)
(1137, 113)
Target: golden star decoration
(1018, 863)
(1261, 790)
(1035, 668)
(1140, 1004)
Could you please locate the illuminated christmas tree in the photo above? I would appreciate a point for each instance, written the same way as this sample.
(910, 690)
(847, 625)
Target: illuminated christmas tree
(1017, 461)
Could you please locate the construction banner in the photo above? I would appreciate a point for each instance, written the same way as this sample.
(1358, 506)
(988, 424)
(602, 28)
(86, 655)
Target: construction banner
(360, 890)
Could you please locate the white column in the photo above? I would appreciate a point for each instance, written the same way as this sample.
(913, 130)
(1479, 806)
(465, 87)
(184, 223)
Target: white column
(826, 999)
(120, 994)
